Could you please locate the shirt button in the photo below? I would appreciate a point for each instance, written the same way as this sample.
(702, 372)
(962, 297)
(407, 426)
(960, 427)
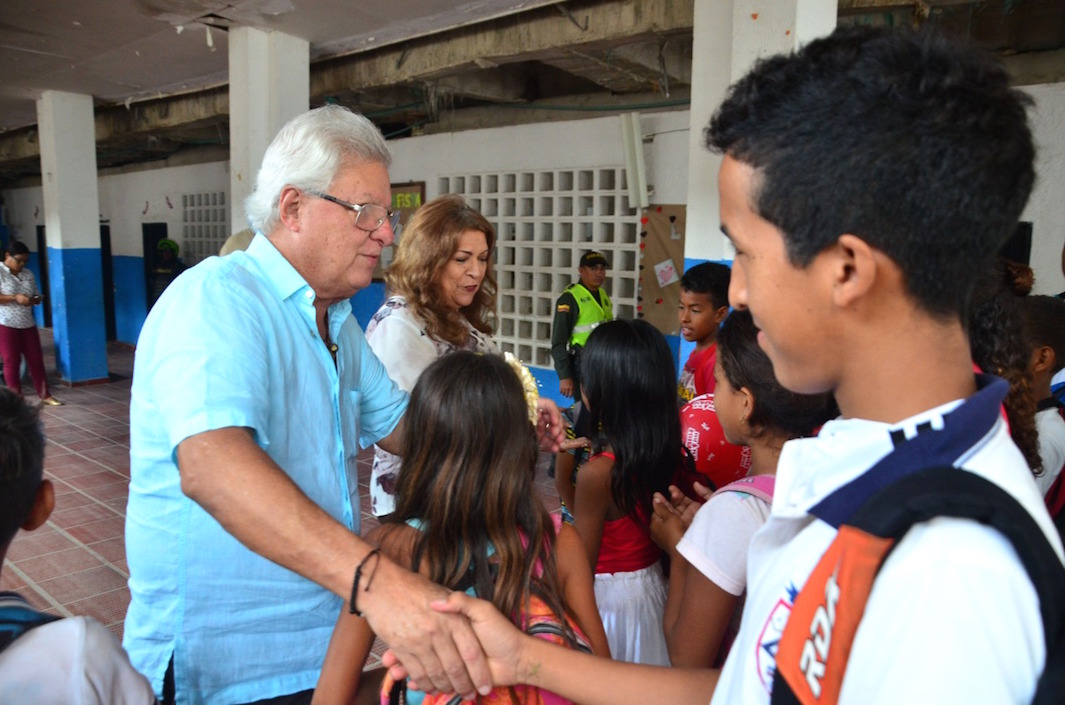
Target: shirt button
(309, 294)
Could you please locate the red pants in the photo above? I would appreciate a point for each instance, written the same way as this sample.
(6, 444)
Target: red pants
(16, 343)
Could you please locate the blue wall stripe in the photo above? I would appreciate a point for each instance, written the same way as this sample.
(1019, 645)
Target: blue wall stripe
(365, 302)
(76, 284)
(131, 305)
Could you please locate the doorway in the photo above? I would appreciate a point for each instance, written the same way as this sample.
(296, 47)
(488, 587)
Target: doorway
(42, 282)
(107, 273)
(151, 234)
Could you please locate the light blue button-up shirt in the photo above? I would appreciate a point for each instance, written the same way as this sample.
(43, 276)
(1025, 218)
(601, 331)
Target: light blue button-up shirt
(233, 342)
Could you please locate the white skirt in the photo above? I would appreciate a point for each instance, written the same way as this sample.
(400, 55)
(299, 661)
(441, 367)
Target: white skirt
(631, 606)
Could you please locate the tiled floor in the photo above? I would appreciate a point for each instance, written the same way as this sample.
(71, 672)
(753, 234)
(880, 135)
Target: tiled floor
(76, 563)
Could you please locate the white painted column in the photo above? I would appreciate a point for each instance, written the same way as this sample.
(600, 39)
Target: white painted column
(269, 84)
(72, 228)
(730, 35)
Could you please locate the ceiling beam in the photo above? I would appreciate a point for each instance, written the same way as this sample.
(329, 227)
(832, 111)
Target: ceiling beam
(503, 41)
(553, 110)
(674, 59)
(492, 84)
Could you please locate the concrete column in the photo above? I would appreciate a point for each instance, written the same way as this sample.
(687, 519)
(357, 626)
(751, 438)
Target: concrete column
(730, 35)
(269, 84)
(72, 228)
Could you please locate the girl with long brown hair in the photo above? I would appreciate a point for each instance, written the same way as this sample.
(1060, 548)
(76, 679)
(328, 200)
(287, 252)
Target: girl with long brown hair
(468, 516)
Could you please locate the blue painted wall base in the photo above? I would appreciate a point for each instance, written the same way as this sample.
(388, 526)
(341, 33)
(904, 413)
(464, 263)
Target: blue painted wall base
(365, 303)
(131, 299)
(76, 283)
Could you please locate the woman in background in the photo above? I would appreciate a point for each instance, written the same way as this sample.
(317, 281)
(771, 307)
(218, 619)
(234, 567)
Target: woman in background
(441, 296)
(18, 329)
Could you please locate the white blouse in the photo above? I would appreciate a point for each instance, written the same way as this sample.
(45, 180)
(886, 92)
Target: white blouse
(13, 315)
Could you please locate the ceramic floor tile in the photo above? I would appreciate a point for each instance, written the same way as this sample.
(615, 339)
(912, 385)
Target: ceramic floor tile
(75, 587)
(53, 565)
(66, 518)
(107, 608)
(106, 493)
(38, 543)
(99, 530)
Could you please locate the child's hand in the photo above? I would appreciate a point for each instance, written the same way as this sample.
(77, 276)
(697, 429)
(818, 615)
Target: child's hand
(685, 506)
(502, 641)
(702, 490)
(575, 443)
(666, 524)
(550, 431)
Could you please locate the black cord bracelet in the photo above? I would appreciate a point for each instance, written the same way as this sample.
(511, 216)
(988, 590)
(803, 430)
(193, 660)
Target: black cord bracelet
(352, 609)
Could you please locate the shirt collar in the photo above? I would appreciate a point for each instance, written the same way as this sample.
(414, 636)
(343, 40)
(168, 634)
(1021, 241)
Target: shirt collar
(278, 271)
(812, 468)
(288, 283)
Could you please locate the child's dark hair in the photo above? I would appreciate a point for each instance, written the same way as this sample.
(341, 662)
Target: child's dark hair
(745, 364)
(629, 377)
(21, 462)
(468, 475)
(1044, 319)
(1000, 347)
(708, 278)
(917, 145)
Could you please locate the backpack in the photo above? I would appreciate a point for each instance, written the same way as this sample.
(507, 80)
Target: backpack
(760, 486)
(865, 539)
(17, 618)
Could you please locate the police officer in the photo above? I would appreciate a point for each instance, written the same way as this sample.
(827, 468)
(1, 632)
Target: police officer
(581, 307)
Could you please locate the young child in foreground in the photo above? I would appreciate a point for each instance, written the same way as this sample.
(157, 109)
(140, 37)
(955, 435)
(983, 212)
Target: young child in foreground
(627, 383)
(468, 516)
(703, 305)
(708, 559)
(62, 661)
(867, 179)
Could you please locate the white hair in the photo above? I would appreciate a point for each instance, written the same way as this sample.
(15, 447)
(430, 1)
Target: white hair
(308, 153)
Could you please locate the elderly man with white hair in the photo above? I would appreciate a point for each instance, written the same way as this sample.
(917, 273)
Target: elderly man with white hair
(253, 390)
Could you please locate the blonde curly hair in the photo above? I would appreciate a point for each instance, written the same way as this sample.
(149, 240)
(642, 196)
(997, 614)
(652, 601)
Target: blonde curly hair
(426, 245)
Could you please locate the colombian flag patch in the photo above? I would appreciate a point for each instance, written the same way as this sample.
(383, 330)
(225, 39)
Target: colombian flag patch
(563, 308)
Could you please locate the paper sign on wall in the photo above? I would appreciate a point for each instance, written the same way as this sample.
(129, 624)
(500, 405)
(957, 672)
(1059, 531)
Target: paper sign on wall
(666, 272)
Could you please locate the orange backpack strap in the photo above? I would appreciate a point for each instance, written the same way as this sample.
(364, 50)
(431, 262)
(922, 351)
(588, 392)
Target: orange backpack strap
(811, 661)
(816, 643)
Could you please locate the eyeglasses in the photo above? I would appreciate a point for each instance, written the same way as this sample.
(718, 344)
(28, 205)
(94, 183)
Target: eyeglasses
(368, 216)
(22, 261)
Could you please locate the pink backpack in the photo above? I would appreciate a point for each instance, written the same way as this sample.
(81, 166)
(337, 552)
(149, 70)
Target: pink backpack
(760, 486)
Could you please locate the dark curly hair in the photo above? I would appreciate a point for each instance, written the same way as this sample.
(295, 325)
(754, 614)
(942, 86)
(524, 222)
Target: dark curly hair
(917, 145)
(1044, 322)
(999, 344)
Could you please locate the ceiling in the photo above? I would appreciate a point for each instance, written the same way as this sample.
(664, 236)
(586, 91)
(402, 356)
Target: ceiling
(157, 69)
